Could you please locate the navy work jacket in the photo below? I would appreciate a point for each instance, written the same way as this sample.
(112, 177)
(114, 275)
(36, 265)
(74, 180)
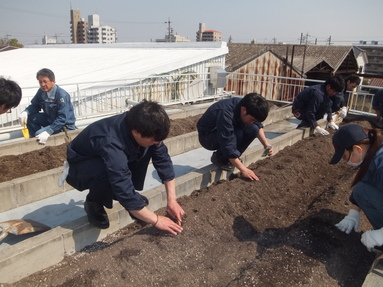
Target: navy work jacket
(56, 105)
(111, 140)
(314, 104)
(224, 116)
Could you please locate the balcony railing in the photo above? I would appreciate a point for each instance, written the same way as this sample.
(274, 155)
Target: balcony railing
(92, 99)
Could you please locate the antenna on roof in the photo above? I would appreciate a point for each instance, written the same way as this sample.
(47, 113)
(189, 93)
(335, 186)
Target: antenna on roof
(170, 30)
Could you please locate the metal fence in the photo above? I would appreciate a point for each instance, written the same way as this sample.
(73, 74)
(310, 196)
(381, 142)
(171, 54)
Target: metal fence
(95, 99)
(110, 97)
(285, 89)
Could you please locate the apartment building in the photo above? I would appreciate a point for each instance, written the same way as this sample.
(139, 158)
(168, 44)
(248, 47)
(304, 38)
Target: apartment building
(204, 35)
(78, 27)
(98, 33)
(374, 53)
(92, 31)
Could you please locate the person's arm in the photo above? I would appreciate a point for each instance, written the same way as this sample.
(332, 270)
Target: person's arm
(164, 167)
(226, 134)
(35, 107)
(158, 221)
(120, 178)
(246, 172)
(262, 138)
(64, 111)
(312, 109)
(173, 208)
(350, 221)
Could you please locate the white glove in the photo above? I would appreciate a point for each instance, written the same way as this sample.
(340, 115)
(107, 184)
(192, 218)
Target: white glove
(64, 174)
(321, 131)
(42, 138)
(23, 118)
(333, 125)
(343, 112)
(351, 221)
(372, 238)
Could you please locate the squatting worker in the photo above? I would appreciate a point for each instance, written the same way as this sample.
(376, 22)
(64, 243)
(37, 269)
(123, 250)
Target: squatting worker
(110, 157)
(229, 126)
(314, 102)
(10, 95)
(339, 105)
(362, 148)
(377, 104)
(55, 104)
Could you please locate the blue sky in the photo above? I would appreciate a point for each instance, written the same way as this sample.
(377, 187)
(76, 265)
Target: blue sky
(267, 21)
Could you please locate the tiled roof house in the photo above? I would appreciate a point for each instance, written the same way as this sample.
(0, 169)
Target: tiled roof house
(293, 61)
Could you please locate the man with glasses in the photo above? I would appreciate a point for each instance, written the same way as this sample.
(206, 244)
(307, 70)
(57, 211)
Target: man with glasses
(55, 104)
(10, 95)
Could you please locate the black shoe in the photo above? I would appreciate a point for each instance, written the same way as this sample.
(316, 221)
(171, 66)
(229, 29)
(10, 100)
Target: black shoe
(377, 249)
(225, 165)
(97, 215)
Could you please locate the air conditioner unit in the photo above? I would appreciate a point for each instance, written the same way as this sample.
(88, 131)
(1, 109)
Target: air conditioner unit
(217, 77)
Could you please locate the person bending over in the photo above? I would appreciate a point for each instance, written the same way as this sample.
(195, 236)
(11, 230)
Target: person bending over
(10, 95)
(110, 157)
(315, 101)
(362, 148)
(229, 126)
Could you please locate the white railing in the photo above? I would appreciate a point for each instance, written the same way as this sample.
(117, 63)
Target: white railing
(285, 89)
(95, 99)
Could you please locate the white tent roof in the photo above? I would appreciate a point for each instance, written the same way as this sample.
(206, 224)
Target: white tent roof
(79, 63)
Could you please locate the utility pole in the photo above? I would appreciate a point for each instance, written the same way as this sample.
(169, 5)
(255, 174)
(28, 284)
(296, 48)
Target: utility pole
(329, 41)
(304, 39)
(307, 38)
(170, 30)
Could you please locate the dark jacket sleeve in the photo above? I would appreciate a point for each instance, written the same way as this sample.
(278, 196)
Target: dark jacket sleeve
(312, 107)
(119, 174)
(226, 134)
(162, 162)
(35, 106)
(64, 113)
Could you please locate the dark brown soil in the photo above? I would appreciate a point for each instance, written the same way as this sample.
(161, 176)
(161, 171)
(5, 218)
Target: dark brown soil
(278, 231)
(15, 166)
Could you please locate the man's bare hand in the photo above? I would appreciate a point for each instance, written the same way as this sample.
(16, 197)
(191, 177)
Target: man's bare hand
(175, 211)
(248, 173)
(165, 223)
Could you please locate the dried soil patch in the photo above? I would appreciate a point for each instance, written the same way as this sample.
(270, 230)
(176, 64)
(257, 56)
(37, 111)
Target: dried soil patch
(278, 231)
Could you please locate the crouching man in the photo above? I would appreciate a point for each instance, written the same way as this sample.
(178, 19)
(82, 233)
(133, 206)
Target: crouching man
(110, 158)
(229, 126)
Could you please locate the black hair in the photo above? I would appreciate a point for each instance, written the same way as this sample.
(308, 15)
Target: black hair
(149, 119)
(256, 106)
(353, 78)
(375, 140)
(336, 83)
(10, 93)
(46, 73)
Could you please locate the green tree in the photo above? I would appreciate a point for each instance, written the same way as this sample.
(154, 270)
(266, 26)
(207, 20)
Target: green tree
(10, 42)
(15, 43)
